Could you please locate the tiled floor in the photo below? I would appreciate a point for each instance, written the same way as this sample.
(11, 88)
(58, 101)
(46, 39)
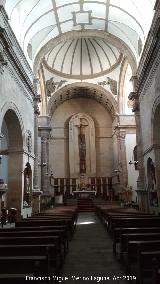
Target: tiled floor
(91, 254)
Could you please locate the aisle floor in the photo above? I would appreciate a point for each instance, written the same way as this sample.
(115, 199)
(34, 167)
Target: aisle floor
(90, 258)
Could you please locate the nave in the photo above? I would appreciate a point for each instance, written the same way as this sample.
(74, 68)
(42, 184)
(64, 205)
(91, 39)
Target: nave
(114, 244)
(90, 258)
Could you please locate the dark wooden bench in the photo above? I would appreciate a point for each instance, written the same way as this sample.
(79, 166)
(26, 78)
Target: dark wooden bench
(111, 217)
(118, 231)
(134, 247)
(156, 270)
(144, 265)
(134, 222)
(35, 264)
(59, 214)
(104, 211)
(49, 251)
(56, 240)
(37, 232)
(125, 238)
(41, 222)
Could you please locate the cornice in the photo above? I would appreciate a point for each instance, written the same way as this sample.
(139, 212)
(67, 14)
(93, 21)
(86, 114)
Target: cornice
(14, 53)
(14, 40)
(150, 148)
(150, 58)
(21, 85)
(14, 60)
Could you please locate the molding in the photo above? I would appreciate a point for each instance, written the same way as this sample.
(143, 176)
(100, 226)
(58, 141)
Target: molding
(150, 148)
(14, 42)
(12, 72)
(93, 91)
(15, 63)
(82, 77)
(150, 58)
(117, 42)
(17, 151)
(12, 50)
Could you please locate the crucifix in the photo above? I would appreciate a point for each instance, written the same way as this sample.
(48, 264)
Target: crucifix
(82, 145)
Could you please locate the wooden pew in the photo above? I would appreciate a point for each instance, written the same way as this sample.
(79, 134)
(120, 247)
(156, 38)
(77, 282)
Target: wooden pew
(38, 223)
(24, 264)
(33, 240)
(144, 265)
(125, 238)
(118, 231)
(112, 216)
(134, 247)
(68, 220)
(72, 215)
(134, 222)
(38, 232)
(104, 211)
(156, 270)
(49, 251)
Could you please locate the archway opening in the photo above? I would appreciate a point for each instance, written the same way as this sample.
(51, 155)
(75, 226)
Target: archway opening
(156, 147)
(12, 160)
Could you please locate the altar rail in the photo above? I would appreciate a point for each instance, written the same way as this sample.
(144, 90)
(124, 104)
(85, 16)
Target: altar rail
(66, 186)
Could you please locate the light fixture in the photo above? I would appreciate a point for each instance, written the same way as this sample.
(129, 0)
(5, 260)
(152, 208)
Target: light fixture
(133, 162)
(117, 171)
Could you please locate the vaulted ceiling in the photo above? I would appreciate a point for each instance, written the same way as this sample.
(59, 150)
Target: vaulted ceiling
(36, 22)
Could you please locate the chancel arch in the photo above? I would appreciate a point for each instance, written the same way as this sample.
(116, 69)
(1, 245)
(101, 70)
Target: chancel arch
(83, 89)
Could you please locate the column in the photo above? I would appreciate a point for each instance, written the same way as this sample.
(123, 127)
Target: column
(36, 114)
(123, 160)
(141, 191)
(44, 132)
(36, 189)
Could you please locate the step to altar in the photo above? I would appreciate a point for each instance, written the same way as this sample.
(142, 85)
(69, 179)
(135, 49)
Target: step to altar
(85, 205)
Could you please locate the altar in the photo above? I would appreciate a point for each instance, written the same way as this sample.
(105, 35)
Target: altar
(84, 193)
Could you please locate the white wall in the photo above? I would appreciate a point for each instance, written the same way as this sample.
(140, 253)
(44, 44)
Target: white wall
(59, 161)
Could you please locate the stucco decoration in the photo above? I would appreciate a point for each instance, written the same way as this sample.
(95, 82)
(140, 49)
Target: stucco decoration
(112, 83)
(51, 86)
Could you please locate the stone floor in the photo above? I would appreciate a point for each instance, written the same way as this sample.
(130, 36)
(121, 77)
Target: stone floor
(90, 258)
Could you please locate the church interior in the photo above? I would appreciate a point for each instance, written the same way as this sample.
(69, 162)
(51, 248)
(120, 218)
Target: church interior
(80, 141)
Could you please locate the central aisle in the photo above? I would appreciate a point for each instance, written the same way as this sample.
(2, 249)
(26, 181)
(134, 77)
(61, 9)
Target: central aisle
(91, 254)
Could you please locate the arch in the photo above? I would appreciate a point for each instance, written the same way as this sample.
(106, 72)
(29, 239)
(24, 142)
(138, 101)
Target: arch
(121, 86)
(14, 154)
(155, 122)
(117, 42)
(95, 92)
(11, 106)
(151, 176)
(155, 138)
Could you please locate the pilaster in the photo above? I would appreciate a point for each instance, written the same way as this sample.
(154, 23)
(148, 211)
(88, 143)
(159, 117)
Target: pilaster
(44, 132)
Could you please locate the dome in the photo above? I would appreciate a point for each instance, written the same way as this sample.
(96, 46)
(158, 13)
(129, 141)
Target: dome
(82, 58)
